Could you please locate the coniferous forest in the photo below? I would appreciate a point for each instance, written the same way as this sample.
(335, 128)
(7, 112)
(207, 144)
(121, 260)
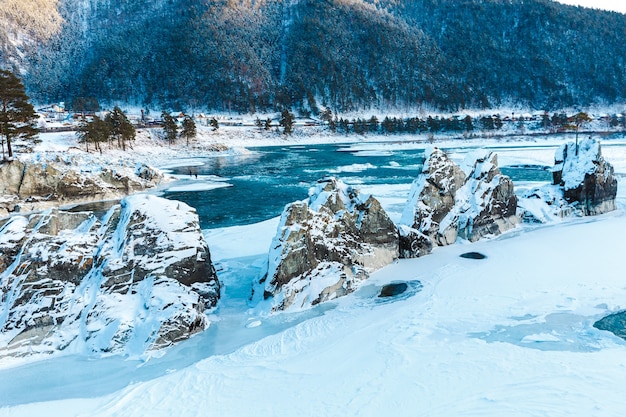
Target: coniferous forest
(266, 55)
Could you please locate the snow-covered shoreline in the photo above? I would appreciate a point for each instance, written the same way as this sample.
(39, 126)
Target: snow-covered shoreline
(151, 149)
(508, 335)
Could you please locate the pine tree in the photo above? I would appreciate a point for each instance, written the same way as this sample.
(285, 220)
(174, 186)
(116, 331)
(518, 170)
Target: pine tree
(96, 132)
(332, 124)
(286, 121)
(189, 129)
(467, 121)
(580, 119)
(17, 115)
(373, 124)
(169, 127)
(387, 125)
(120, 127)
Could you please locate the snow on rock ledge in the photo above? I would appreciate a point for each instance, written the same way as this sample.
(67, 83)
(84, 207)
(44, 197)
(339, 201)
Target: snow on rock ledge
(445, 204)
(326, 245)
(139, 278)
(39, 184)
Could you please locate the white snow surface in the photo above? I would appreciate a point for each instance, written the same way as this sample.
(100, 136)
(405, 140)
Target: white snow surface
(510, 335)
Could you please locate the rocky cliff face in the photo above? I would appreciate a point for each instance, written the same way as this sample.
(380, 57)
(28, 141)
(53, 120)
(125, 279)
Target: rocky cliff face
(326, 245)
(27, 186)
(139, 278)
(445, 203)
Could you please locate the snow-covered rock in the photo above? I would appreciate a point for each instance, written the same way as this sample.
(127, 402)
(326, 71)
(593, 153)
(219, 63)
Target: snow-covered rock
(33, 185)
(444, 203)
(585, 177)
(433, 194)
(139, 278)
(413, 243)
(583, 185)
(614, 323)
(326, 245)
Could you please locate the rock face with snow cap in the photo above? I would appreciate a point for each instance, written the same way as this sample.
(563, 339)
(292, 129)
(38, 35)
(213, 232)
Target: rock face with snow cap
(139, 278)
(585, 177)
(326, 245)
(431, 199)
(445, 204)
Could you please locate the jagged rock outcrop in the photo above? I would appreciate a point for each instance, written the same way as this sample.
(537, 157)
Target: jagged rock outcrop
(585, 177)
(326, 245)
(431, 199)
(445, 204)
(27, 186)
(583, 185)
(139, 278)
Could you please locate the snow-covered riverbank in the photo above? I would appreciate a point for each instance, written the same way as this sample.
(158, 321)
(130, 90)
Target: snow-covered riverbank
(511, 334)
(508, 335)
(150, 148)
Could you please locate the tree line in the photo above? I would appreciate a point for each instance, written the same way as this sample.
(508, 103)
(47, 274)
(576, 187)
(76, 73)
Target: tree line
(114, 129)
(558, 122)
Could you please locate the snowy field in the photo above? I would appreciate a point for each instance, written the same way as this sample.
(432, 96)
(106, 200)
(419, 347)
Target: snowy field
(509, 335)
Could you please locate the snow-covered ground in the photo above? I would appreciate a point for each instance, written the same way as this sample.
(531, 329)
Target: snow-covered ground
(509, 335)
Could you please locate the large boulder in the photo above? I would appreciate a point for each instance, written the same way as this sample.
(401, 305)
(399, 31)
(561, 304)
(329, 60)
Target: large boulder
(139, 278)
(325, 246)
(583, 185)
(445, 203)
(40, 184)
(586, 178)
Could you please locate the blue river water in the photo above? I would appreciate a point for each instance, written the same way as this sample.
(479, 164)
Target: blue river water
(265, 180)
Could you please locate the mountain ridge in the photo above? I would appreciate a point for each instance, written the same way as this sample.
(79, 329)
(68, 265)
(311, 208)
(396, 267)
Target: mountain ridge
(265, 55)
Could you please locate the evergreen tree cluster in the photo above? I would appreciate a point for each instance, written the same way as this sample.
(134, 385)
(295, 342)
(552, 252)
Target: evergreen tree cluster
(411, 125)
(268, 55)
(115, 128)
(188, 127)
(557, 122)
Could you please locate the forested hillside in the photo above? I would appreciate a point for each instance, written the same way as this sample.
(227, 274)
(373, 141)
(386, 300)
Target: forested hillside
(24, 23)
(254, 55)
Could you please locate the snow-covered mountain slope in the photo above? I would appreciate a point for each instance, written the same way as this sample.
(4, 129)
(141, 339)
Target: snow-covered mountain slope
(139, 278)
(248, 55)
